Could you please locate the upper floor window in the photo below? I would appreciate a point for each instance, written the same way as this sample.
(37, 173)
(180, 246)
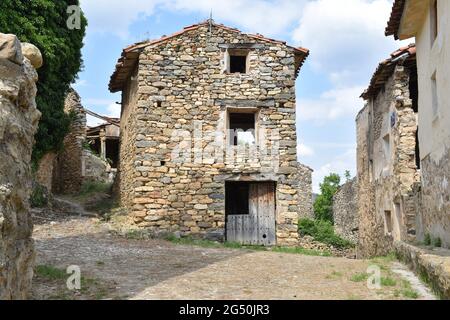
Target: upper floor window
(242, 128)
(238, 61)
(434, 20)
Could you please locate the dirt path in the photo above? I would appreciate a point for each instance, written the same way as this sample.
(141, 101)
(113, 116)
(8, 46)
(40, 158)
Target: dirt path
(156, 269)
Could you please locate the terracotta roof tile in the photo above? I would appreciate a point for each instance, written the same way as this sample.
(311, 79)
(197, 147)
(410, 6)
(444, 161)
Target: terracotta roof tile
(130, 54)
(395, 19)
(385, 70)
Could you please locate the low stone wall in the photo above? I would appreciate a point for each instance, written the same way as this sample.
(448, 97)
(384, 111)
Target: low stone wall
(45, 171)
(432, 265)
(305, 194)
(19, 119)
(345, 211)
(97, 169)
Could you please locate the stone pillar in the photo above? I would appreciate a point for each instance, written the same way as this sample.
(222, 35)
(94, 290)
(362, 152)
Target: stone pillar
(103, 144)
(18, 124)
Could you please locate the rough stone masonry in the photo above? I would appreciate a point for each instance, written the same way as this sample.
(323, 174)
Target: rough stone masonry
(18, 123)
(177, 96)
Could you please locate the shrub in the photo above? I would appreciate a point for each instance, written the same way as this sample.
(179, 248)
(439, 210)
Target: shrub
(90, 187)
(39, 196)
(427, 240)
(437, 242)
(322, 231)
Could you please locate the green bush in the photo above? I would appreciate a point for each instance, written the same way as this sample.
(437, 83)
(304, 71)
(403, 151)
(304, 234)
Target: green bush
(39, 197)
(322, 231)
(90, 187)
(437, 242)
(323, 206)
(427, 240)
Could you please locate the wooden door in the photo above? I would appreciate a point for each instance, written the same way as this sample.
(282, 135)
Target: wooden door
(258, 226)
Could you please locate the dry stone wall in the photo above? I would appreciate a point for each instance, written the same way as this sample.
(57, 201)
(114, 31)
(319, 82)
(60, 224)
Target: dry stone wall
(18, 124)
(180, 85)
(345, 211)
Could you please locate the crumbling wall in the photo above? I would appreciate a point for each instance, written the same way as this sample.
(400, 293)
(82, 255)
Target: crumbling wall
(44, 174)
(387, 172)
(69, 171)
(96, 169)
(345, 211)
(18, 124)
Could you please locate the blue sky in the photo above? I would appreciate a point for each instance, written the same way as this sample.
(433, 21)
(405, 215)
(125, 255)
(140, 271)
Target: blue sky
(346, 39)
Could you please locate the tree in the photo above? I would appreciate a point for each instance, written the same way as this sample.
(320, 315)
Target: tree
(323, 206)
(44, 24)
(347, 175)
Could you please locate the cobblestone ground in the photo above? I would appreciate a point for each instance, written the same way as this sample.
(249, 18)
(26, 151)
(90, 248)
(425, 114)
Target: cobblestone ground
(156, 269)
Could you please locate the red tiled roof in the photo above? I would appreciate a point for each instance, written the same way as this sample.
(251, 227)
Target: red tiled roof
(385, 70)
(130, 54)
(395, 19)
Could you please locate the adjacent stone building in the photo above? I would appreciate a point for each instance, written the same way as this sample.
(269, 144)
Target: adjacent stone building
(388, 155)
(429, 22)
(208, 139)
(345, 211)
(19, 119)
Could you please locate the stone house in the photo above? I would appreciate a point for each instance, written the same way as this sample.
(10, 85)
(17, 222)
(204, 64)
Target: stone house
(388, 155)
(429, 22)
(208, 140)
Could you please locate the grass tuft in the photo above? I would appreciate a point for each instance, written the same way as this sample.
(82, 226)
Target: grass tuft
(359, 277)
(234, 245)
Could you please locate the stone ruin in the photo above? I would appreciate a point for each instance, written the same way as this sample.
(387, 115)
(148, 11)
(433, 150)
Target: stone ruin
(19, 119)
(65, 171)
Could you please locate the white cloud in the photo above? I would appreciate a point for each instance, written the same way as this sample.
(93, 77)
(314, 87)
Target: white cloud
(331, 105)
(346, 37)
(339, 164)
(257, 16)
(114, 110)
(116, 16)
(269, 17)
(304, 150)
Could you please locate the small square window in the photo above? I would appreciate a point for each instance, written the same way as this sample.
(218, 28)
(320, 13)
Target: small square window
(242, 129)
(238, 61)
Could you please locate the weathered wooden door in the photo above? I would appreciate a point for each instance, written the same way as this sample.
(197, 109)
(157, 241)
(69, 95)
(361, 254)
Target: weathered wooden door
(258, 226)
